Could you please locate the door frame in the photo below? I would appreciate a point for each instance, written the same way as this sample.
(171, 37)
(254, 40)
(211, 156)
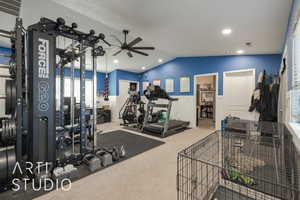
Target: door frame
(253, 70)
(216, 94)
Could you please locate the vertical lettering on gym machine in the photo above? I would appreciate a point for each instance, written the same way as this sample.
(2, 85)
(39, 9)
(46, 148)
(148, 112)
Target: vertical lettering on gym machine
(43, 58)
(43, 73)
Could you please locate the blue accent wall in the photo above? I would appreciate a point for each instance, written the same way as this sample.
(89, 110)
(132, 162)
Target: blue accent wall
(130, 76)
(190, 66)
(117, 75)
(289, 40)
(184, 66)
(4, 60)
(100, 82)
(113, 83)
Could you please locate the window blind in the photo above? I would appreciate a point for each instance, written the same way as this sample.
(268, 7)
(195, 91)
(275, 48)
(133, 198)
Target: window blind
(67, 91)
(11, 7)
(296, 77)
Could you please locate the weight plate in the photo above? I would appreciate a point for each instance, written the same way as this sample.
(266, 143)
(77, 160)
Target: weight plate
(9, 129)
(2, 134)
(11, 161)
(8, 93)
(11, 96)
(3, 166)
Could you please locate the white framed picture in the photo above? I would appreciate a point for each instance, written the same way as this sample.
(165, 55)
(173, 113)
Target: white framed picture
(185, 84)
(169, 85)
(156, 82)
(145, 85)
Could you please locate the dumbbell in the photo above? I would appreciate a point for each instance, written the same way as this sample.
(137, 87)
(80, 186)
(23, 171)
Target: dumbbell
(105, 157)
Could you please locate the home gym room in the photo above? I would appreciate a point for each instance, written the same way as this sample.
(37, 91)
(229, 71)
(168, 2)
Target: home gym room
(142, 100)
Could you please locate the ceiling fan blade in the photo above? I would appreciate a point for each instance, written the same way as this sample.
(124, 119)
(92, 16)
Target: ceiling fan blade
(117, 39)
(117, 52)
(129, 54)
(134, 42)
(139, 52)
(144, 48)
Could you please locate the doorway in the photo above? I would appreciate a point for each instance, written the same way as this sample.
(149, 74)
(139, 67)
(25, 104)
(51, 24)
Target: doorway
(206, 90)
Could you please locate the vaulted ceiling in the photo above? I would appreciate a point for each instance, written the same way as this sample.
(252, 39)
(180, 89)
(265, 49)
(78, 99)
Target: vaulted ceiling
(176, 28)
(193, 27)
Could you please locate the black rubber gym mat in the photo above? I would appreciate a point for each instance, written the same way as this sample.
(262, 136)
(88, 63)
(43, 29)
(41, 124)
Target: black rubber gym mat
(134, 145)
(158, 135)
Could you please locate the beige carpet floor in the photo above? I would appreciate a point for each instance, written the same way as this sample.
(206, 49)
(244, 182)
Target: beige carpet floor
(148, 176)
(206, 123)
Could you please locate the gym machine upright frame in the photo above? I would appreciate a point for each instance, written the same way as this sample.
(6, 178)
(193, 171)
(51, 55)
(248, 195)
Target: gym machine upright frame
(16, 37)
(34, 61)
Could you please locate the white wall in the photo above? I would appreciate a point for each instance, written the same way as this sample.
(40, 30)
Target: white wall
(184, 109)
(113, 102)
(220, 112)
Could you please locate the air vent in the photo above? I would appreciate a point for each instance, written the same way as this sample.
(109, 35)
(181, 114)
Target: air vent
(11, 7)
(248, 44)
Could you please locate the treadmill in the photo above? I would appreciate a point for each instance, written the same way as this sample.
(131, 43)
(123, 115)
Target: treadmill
(166, 127)
(173, 126)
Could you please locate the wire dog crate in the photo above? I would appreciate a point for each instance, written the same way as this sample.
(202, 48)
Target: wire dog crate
(231, 165)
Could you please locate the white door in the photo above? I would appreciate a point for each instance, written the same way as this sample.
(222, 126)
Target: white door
(238, 89)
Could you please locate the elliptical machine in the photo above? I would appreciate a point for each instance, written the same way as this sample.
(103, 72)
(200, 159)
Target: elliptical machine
(132, 112)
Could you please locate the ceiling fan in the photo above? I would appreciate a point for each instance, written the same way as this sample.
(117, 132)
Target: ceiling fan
(130, 47)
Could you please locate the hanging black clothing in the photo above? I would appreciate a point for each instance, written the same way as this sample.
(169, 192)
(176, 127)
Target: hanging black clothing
(274, 93)
(265, 106)
(267, 102)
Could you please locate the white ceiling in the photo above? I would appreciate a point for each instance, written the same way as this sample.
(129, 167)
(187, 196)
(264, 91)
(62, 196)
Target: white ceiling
(176, 28)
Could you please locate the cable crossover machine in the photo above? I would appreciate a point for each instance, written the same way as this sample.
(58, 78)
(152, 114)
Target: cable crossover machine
(30, 133)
